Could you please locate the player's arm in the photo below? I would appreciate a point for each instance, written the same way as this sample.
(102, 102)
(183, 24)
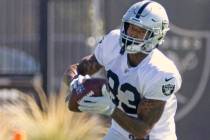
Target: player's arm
(149, 112)
(88, 65)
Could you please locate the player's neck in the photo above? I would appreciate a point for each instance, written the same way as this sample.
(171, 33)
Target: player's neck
(135, 59)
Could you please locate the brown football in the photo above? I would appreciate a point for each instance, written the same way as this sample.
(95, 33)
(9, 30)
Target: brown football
(93, 84)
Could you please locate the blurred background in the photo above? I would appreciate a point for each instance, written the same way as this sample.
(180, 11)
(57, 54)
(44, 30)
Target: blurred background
(40, 38)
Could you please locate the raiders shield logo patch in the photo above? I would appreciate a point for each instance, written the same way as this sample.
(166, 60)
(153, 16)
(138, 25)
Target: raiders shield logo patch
(168, 89)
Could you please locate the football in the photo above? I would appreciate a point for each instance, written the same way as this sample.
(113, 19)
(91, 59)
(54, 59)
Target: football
(93, 84)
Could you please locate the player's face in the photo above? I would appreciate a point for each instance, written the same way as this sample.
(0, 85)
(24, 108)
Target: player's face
(136, 32)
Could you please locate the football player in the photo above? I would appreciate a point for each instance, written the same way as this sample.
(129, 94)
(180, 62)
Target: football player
(142, 80)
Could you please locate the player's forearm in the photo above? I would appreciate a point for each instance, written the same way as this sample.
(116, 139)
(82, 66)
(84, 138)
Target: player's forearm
(133, 125)
(70, 73)
(88, 65)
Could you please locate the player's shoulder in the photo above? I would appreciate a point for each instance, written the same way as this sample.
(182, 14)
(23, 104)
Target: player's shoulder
(157, 77)
(115, 32)
(161, 63)
(160, 76)
(110, 39)
(108, 48)
(113, 35)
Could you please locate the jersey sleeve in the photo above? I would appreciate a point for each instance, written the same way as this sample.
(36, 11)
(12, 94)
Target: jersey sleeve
(162, 86)
(106, 48)
(99, 51)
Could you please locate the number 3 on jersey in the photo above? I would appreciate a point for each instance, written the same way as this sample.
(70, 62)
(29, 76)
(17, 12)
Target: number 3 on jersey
(128, 103)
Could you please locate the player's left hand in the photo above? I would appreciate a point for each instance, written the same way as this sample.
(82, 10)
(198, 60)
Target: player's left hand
(100, 105)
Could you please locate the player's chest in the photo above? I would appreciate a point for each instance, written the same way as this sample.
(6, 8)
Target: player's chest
(125, 86)
(120, 73)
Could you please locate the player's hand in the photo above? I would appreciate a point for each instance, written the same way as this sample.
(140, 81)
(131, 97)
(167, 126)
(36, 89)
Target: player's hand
(100, 105)
(76, 84)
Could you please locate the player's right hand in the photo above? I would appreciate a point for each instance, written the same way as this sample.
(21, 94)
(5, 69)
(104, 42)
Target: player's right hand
(76, 83)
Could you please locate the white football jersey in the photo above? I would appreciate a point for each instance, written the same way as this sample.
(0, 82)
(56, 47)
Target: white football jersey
(156, 77)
